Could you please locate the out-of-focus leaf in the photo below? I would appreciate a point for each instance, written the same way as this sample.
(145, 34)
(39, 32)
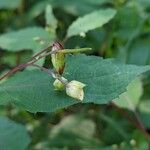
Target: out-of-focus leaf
(125, 28)
(77, 7)
(13, 136)
(25, 39)
(131, 98)
(76, 125)
(145, 3)
(104, 79)
(114, 126)
(74, 132)
(9, 4)
(90, 21)
(50, 18)
(144, 106)
(140, 53)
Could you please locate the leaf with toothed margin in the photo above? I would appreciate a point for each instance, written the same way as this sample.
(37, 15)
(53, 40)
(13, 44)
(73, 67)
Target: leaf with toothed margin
(91, 21)
(105, 80)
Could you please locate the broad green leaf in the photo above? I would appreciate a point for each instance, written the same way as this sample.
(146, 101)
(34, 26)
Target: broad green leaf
(127, 28)
(115, 126)
(130, 99)
(8, 4)
(50, 18)
(91, 21)
(105, 80)
(13, 136)
(25, 39)
(74, 124)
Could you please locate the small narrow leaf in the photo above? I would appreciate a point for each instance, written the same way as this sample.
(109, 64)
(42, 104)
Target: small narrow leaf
(105, 80)
(13, 136)
(50, 18)
(90, 21)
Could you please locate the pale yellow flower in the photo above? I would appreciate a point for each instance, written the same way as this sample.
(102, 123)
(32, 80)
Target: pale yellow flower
(75, 89)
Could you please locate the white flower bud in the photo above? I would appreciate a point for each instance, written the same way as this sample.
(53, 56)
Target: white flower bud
(75, 89)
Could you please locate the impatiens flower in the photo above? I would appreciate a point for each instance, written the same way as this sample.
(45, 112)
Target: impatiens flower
(75, 89)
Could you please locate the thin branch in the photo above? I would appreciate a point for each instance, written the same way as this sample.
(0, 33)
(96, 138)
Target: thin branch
(42, 51)
(35, 58)
(141, 126)
(38, 56)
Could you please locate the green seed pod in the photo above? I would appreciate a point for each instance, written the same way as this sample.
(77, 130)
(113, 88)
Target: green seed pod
(58, 59)
(59, 85)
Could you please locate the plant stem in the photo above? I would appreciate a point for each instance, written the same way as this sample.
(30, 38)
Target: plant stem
(51, 73)
(38, 56)
(141, 126)
(136, 122)
(42, 51)
(35, 58)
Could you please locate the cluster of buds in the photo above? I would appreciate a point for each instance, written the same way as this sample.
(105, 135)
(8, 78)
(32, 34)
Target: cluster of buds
(74, 88)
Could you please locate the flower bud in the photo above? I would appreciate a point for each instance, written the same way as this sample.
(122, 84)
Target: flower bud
(59, 85)
(75, 89)
(58, 59)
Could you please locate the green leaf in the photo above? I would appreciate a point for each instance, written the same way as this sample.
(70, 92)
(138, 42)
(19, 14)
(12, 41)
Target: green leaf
(136, 53)
(76, 7)
(74, 124)
(144, 106)
(13, 136)
(91, 21)
(145, 112)
(145, 3)
(25, 39)
(130, 99)
(50, 18)
(7, 4)
(105, 80)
